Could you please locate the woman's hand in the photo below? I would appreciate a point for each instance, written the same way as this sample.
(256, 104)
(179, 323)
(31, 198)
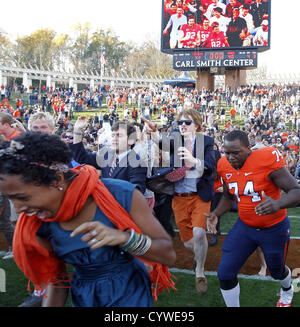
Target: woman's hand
(97, 235)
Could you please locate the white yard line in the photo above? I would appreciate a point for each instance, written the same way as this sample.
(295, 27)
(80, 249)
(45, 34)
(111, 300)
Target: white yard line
(214, 273)
(292, 237)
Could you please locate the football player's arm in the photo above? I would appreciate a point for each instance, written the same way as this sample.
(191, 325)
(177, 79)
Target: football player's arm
(286, 182)
(225, 204)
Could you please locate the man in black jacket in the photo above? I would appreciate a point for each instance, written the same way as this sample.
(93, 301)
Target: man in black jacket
(117, 160)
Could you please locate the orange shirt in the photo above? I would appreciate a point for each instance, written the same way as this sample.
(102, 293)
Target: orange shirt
(17, 114)
(293, 147)
(247, 184)
(284, 136)
(256, 112)
(232, 112)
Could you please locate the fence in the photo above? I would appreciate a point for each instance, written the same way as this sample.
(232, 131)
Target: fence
(94, 79)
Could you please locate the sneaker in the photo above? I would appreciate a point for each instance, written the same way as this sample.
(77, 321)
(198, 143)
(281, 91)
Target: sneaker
(32, 301)
(285, 297)
(213, 240)
(8, 255)
(201, 285)
(2, 253)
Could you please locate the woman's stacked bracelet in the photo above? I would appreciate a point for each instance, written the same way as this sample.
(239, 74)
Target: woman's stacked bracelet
(137, 244)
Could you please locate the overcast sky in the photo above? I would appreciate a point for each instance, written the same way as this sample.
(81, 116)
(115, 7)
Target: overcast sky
(139, 20)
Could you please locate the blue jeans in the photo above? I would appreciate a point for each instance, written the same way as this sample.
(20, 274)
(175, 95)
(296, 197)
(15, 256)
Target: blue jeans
(297, 172)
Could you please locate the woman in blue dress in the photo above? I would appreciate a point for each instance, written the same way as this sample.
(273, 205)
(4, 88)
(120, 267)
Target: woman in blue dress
(104, 229)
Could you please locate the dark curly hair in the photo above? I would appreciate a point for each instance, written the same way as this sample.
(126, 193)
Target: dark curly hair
(32, 161)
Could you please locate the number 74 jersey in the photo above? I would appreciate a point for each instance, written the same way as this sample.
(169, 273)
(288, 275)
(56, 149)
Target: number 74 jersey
(247, 184)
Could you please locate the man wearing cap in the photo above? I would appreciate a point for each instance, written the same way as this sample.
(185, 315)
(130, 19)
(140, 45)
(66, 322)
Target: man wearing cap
(261, 37)
(215, 4)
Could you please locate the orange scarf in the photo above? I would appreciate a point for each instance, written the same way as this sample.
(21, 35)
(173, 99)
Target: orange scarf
(41, 266)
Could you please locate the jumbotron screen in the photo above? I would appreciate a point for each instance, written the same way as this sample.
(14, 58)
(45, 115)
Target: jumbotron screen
(215, 24)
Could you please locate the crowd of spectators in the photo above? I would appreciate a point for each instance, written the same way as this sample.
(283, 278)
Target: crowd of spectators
(268, 113)
(215, 23)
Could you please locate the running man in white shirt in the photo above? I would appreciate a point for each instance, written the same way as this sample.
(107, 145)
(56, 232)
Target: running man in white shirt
(175, 21)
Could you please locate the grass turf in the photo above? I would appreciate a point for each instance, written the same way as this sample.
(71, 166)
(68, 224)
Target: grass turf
(254, 293)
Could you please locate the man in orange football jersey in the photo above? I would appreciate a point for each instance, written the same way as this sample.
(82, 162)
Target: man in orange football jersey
(217, 38)
(254, 179)
(191, 33)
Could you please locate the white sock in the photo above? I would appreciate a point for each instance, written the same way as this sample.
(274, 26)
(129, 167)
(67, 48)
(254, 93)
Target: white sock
(286, 282)
(232, 297)
(39, 293)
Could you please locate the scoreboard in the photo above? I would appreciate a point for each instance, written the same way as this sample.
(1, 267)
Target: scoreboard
(211, 59)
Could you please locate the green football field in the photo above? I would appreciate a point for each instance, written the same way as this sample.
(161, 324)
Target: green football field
(255, 292)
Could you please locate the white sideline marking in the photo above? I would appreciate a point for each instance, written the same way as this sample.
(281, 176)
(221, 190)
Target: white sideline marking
(214, 273)
(292, 237)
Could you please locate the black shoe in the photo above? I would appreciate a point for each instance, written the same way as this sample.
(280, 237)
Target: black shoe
(32, 301)
(213, 240)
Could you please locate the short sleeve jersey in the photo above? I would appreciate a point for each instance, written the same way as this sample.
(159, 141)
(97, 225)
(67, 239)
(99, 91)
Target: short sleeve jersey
(191, 34)
(216, 40)
(247, 184)
(204, 34)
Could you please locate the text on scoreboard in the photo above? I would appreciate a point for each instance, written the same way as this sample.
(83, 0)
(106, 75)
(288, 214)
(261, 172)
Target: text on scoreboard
(208, 59)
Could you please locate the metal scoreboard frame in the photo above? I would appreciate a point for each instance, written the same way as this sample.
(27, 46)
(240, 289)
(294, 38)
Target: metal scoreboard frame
(204, 59)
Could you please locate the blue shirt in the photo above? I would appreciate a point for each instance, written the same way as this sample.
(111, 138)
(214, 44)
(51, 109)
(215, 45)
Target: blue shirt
(190, 181)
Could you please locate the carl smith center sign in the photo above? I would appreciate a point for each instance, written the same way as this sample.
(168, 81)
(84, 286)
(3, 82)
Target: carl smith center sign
(210, 59)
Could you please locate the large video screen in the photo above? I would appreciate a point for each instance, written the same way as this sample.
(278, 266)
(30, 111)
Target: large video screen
(215, 24)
